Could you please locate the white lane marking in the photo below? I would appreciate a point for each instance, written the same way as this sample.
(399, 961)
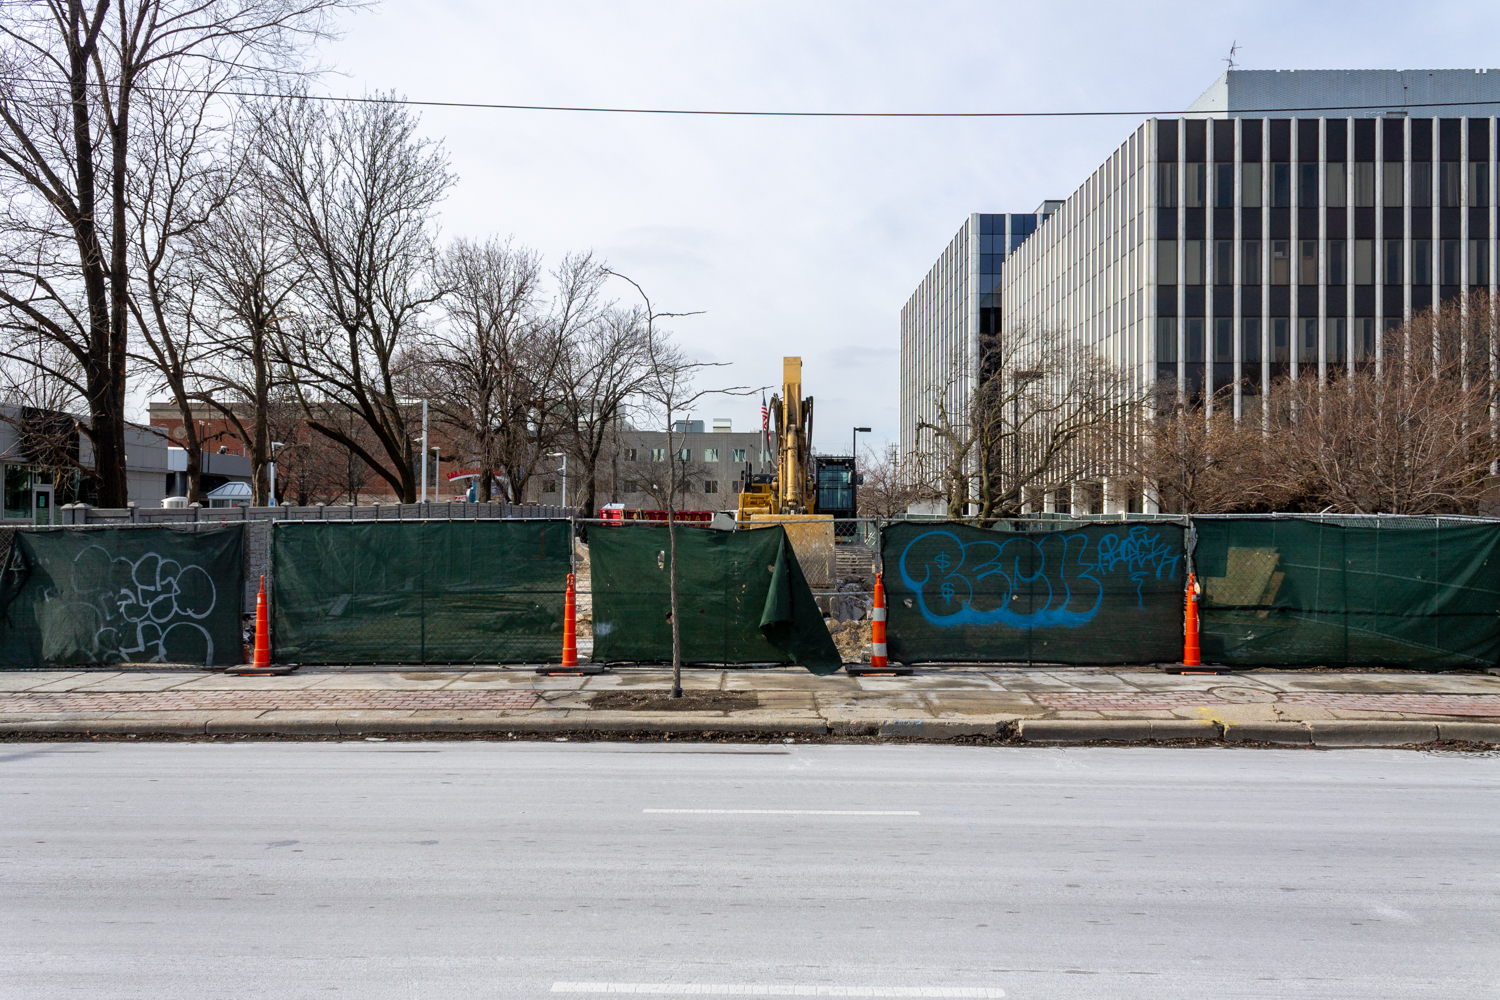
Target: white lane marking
(782, 990)
(790, 812)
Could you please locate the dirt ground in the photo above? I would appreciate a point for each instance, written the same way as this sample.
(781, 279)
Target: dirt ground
(851, 638)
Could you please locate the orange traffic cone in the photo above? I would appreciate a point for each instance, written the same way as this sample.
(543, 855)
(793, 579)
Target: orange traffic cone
(570, 626)
(877, 626)
(1191, 656)
(260, 659)
(570, 664)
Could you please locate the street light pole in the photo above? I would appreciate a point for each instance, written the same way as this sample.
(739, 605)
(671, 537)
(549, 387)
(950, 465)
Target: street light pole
(271, 473)
(424, 451)
(564, 456)
(854, 464)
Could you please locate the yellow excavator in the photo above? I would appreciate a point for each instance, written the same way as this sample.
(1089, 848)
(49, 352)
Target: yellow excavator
(792, 490)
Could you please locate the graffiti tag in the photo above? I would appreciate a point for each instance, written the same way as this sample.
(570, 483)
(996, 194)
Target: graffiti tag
(146, 610)
(1023, 582)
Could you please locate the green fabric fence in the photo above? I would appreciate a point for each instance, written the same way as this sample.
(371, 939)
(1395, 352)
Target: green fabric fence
(1410, 592)
(741, 594)
(121, 595)
(419, 591)
(1087, 593)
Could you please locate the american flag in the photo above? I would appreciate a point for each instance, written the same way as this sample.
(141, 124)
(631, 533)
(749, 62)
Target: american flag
(765, 415)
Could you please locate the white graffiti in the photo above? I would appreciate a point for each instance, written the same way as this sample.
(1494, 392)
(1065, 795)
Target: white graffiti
(143, 611)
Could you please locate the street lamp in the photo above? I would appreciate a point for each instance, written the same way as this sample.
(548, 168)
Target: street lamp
(564, 456)
(854, 464)
(271, 473)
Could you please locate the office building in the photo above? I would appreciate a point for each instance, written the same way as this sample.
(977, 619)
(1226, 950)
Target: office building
(1221, 251)
(954, 306)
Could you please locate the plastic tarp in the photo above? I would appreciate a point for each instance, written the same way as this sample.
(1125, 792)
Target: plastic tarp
(1084, 594)
(122, 595)
(742, 597)
(1415, 593)
(419, 591)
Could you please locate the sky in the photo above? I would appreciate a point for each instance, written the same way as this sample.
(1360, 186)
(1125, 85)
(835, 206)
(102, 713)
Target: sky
(806, 236)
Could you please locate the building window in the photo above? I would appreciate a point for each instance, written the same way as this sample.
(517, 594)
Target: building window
(1250, 185)
(710, 486)
(658, 454)
(549, 486)
(1280, 332)
(1391, 186)
(1307, 347)
(1192, 262)
(735, 486)
(1450, 262)
(1307, 185)
(685, 455)
(1223, 185)
(1250, 340)
(1364, 185)
(1393, 262)
(1364, 262)
(628, 454)
(1223, 262)
(1166, 185)
(1193, 341)
(1421, 262)
(1307, 262)
(1281, 185)
(1250, 262)
(1450, 179)
(1335, 345)
(1336, 275)
(1421, 184)
(1479, 262)
(1166, 262)
(1194, 181)
(710, 454)
(17, 491)
(1281, 262)
(1364, 339)
(1223, 340)
(738, 455)
(1166, 340)
(1479, 185)
(1337, 184)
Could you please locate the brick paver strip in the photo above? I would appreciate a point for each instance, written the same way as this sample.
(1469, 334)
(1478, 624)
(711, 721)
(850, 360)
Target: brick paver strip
(1422, 704)
(299, 700)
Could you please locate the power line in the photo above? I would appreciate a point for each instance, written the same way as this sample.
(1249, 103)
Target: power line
(723, 112)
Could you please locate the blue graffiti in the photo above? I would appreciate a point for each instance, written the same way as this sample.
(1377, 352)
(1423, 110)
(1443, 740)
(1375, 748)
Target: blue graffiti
(1026, 583)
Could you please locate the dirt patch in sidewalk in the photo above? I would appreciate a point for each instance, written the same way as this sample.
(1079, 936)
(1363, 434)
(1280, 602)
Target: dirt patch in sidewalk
(661, 701)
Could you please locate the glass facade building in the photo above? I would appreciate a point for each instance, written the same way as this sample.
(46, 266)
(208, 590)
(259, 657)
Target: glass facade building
(955, 305)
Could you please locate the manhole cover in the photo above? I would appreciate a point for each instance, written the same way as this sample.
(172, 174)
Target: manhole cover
(1243, 696)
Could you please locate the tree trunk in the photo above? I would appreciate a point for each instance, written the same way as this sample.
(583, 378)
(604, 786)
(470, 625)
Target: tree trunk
(672, 558)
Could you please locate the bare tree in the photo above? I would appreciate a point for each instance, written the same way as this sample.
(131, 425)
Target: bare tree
(356, 187)
(1040, 409)
(1199, 462)
(478, 367)
(246, 276)
(71, 78)
(891, 483)
(1412, 434)
(605, 365)
(669, 387)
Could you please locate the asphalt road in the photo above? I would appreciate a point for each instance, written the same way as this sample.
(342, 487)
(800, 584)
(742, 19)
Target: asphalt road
(410, 870)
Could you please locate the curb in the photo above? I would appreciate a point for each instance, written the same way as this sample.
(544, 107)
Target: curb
(1339, 733)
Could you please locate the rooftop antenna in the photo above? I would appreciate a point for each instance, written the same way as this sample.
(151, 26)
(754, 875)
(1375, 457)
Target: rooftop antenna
(1234, 47)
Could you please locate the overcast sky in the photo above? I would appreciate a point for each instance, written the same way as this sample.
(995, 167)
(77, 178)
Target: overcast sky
(807, 236)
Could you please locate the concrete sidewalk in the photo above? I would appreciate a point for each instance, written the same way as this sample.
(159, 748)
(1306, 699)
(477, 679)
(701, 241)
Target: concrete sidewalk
(1317, 708)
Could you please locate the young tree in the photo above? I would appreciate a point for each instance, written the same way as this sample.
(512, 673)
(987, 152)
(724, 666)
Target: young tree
(669, 387)
(890, 483)
(356, 188)
(71, 78)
